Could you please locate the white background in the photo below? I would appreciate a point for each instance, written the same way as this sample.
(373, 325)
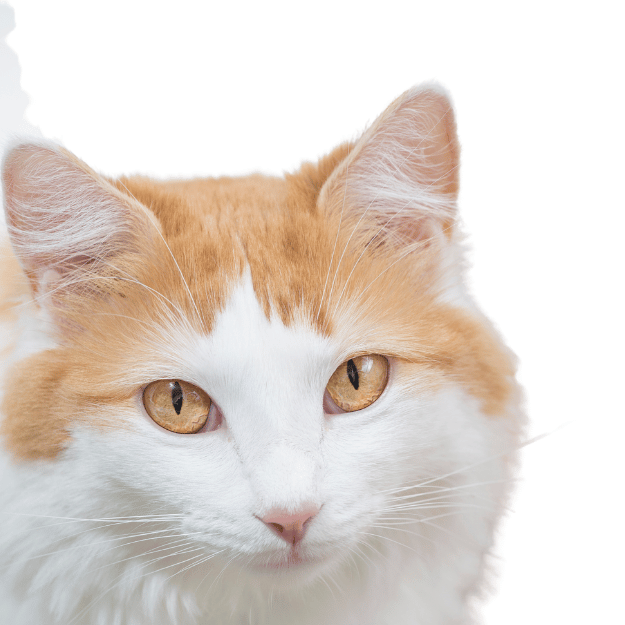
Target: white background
(191, 88)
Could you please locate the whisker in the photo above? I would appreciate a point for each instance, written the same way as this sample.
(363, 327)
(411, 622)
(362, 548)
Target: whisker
(437, 506)
(445, 489)
(89, 278)
(183, 544)
(128, 519)
(397, 166)
(222, 571)
(431, 482)
(487, 460)
(197, 312)
(441, 495)
(206, 559)
(360, 546)
(103, 542)
(382, 229)
(336, 239)
(389, 539)
(120, 578)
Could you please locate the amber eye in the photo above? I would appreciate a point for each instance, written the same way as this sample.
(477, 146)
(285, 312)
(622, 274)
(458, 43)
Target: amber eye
(177, 406)
(358, 382)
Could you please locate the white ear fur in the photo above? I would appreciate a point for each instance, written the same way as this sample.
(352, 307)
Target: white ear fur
(403, 171)
(62, 216)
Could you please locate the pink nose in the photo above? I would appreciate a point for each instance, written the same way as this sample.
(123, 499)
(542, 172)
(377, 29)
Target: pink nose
(291, 527)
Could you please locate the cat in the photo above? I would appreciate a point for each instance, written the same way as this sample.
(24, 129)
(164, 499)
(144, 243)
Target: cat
(255, 400)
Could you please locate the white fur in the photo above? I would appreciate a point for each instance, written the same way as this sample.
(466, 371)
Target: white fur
(70, 553)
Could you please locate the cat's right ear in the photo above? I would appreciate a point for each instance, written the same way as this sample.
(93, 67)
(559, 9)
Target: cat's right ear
(67, 224)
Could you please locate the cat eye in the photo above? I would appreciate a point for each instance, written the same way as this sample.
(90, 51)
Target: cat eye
(358, 382)
(177, 406)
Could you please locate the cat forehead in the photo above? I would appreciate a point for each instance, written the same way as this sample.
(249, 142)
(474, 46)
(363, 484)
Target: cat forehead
(219, 229)
(305, 260)
(243, 336)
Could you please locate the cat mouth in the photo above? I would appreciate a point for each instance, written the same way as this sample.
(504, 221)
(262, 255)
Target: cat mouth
(291, 562)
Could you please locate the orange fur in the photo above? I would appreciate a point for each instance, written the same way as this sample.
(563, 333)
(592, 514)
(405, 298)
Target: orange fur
(13, 284)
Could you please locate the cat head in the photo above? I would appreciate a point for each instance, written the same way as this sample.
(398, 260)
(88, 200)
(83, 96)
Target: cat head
(265, 358)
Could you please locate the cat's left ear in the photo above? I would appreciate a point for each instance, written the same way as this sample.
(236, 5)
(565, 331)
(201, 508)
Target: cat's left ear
(70, 226)
(403, 172)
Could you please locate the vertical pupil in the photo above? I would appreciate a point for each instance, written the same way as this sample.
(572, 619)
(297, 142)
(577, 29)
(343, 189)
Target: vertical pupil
(352, 373)
(176, 397)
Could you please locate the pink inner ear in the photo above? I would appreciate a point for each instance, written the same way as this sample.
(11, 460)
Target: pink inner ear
(415, 142)
(403, 173)
(63, 216)
(73, 232)
(57, 209)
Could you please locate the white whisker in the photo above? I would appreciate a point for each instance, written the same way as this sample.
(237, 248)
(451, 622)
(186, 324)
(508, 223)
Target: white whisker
(336, 239)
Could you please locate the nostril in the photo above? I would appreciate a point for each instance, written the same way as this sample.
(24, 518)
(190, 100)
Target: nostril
(276, 526)
(291, 527)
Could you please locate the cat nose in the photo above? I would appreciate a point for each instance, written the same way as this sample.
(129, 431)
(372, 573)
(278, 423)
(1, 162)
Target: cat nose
(291, 527)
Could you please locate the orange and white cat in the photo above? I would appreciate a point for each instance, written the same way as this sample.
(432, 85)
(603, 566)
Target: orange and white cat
(261, 401)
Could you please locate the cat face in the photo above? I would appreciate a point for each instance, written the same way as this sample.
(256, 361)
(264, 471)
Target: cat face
(275, 447)
(276, 371)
